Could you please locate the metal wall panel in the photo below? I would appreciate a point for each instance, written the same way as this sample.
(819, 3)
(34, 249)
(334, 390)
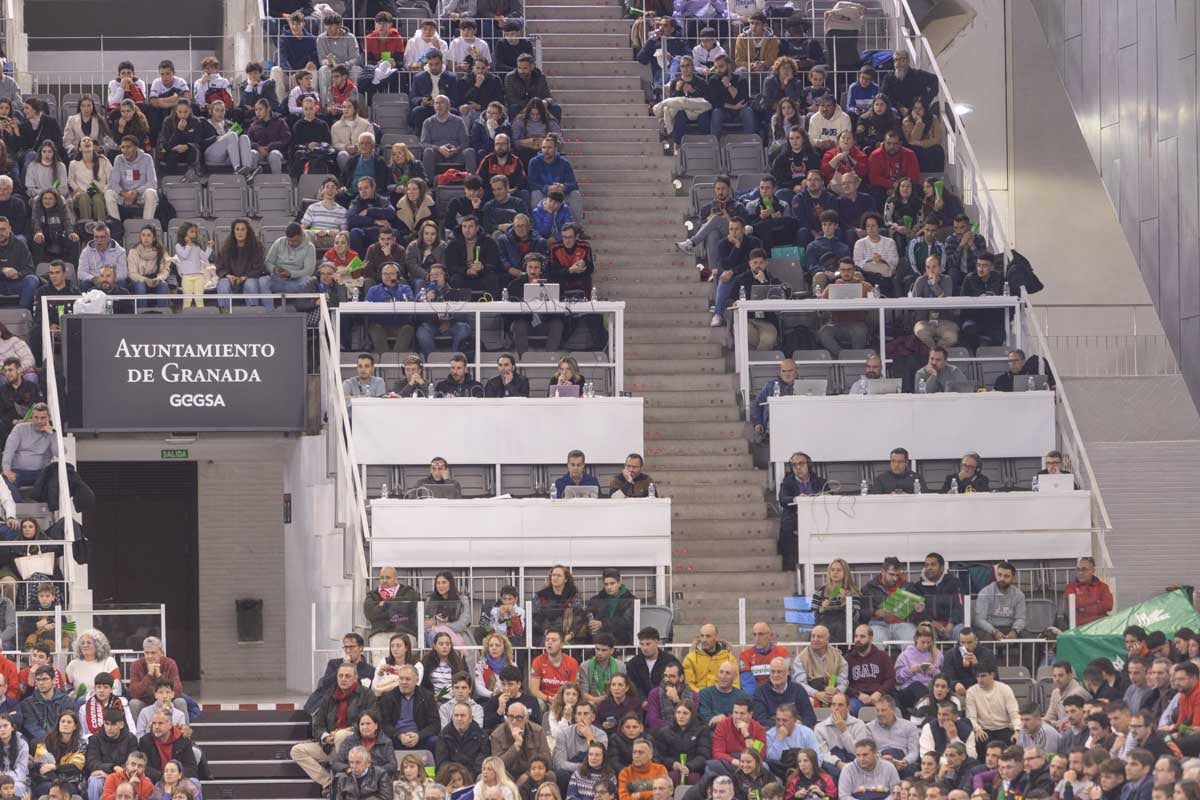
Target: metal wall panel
(1189, 191)
(1167, 256)
(1128, 102)
(1107, 68)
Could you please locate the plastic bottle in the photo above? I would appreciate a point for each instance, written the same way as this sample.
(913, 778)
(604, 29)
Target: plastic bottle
(553, 491)
(595, 294)
(777, 389)
(1006, 290)
(383, 491)
(916, 485)
(1030, 383)
(653, 490)
(1034, 486)
(921, 387)
(954, 486)
(741, 293)
(861, 386)
(864, 489)
(504, 295)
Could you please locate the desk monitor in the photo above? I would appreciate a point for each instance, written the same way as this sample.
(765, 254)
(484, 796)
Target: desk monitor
(845, 291)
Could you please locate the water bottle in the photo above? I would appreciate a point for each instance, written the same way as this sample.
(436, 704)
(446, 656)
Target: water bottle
(504, 295)
(861, 386)
(916, 485)
(741, 293)
(595, 294)
(653, 490)
(383, 491)
(777, 389)
(354, 294)
(1035, 483)
(1006, 288)
(921, 386)
(1030, 383)
(554, 491)
(875, 292)
(589, 390)
(108, 306)
(954, 486)
(863, 489)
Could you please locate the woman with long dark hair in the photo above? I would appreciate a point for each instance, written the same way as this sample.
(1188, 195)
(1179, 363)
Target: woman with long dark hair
(61, 756)
(86, 123)
(87, 180)
(560, 606)
(149, 269)
(440, 664)
(14, 755)
(241, 265)
(532, 125)
(446, 611)
(400, 654)
(807, 781)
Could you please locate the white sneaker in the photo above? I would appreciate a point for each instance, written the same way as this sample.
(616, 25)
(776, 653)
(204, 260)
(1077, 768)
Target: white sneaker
(686, 246)
(716, 322)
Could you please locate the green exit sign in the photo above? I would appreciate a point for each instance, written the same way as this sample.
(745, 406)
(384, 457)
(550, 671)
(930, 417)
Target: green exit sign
(178, 454)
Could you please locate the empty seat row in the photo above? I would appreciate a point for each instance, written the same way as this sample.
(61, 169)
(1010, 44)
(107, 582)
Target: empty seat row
(1004, 473)
(732, 154)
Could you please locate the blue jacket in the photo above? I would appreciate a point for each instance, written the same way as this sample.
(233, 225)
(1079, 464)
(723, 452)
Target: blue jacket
(819, 248)
(38, 716)
(400, 293)
(510, 253)
(377, 208)
(422, 87)
(587, 480)
(550, 227)
(766, 700)
(759, 412)
(297, 51)
(542, 174)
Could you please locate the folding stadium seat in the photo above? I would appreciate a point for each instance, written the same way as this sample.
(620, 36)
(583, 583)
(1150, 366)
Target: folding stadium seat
(746, 181)
(814, 371)
(227, 196)
(990, 370)
(934, 470)
(660, 617)
(475, 480)
(390, 112)
(186, 197)
(273, 196)
(51, 102)
(848, 474)
(700, 193)
(309, 188)
(519, 480)
(698, 155)
(272, 232)
(1022, 470)
(70, 105)
(849, 365)
(133, 229)
(389, 139)
(761, 374)
(743, 157)
(1039, 615)
(1019, 680)
(18, 320)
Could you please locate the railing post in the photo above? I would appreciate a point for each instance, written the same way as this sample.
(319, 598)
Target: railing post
(1071, 610)
(741, 621)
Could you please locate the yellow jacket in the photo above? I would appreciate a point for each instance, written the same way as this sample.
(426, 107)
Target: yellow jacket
(700, 667)
(745, 52)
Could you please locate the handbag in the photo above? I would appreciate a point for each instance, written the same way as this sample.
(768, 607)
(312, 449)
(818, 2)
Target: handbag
(42, 563)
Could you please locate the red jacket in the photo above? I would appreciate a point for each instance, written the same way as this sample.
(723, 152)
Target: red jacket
(144, 788)
(1092, 600)
(391, 42)
(759, 665)
(11, 677)
(141, 683)
(884, 170)
(860, 164)
(728, 742)
(1189, 707)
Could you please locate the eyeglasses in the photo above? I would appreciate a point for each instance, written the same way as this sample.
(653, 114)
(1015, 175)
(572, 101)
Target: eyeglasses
(515, 717)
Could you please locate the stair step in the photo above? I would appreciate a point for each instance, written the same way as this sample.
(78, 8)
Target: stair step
(700, 530)
(625, 203)
(673, 431)
(689, 399)
(608, 51)
(724, 585)
(645, 146)
(728, 511)
(546, 26)
(688, 290)
(695, 447)
(633, 276)
(759, 547)
(643, 351)
(713, 493)
(690, 413)
(601, 185)
(229, 770)
(642, 335)
(690, 318)
(238, 789)
(707, 462)
(675, 478)
(668, 304)
(257, 751)
(725, 615)
(597, 69)
(251, 731)
(680, 366)
(632, 166)
(679, 383)
(574, 11)
(593, 41)
(576, 83)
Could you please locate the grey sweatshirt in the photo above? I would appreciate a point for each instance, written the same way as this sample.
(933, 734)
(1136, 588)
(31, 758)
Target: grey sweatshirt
(29, 449)
(344, 49)
(300, 261)
(452, 131)
(136, 175)
(854, 778)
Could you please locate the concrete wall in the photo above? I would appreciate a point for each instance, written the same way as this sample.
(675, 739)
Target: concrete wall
(1130, 73)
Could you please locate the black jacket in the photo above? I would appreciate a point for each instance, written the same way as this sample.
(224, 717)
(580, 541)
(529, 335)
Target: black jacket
(694, 741)
(181, 751)
(917, 83)
(979, 483)
(956, 673)
(323, 719)
(789, 490)
(491, 710)
(620, 752)
(457, 260)
(468, 388)
(1033, 366)
(468, 748)
(615, 618)
(425, 712)
(105, 754)
(718, 93)
(518, 387)
(943, 601)
(644, 679)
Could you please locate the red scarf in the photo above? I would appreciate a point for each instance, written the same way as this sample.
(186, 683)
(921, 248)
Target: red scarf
(94, 712)
(367, 743)
(341, 714)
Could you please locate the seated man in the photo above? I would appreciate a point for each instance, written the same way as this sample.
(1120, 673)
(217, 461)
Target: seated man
(636, 782)
(496, 707)
(729, 94)
(783, 386)
(422, 46)
(1020, 367)
(368, 211)
(511, 47)
(297, 46)
(772, 219)
(107, 749)
(29, 449)
(410, 713)
(146, 671)
(446, 140)
(292, 261)
(365, 382)
(518, 741)
(163, 740)
(183, 140)
(867, 775)
(550, 325)
(106, 282)
(366, 162)
(385, 38)
(505, 205)
(946, 729)
(525, 83)
(459, 383)
(127, 85)
(470, 204)
(165, 91)
(983, 326)
(838, 734)
(390, 609)
(938, 375)
(439, 475)
(129, 772)
(845, 328)
(467, 49)
(943, 597)
(336, 47)
(968, 479)
(40, 711)
(715, 702)
(999, 611)
(872, 674)
(778, 691)
(825, 251)
(898, 739)
(458, 328)
(550, 167)
(99, 702)
(731, 735)
(397, 327)
(16, 267)
(363, 779)
(462, 740)
(427, 85)
(517, 242)
(899, 479)
(473, 260)
(331, 724)
(872, 370)
(507, 382)
(715, 221)
(937, 329)
(164, 701)
(254, 87)
(961, 249)
(762, 330)
(17, 396)
(551, 215)
(576, 476)
(632, 482)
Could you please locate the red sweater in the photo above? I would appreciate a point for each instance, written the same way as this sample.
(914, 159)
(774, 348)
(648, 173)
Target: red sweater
(141, 683)
(1092, 600)
(391, 42)
(884, 170)
(728, 742)
(1189, 707)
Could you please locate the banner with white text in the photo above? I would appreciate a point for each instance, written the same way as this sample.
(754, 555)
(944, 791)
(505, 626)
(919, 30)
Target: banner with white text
(162, 372)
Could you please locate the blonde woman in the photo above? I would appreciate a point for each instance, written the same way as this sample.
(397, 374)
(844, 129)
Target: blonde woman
(497, 654)
(830, 601)
(411, 783)
(493, 775)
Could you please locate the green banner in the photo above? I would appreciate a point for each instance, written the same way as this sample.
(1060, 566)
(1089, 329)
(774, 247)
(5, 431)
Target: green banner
(1105, 637)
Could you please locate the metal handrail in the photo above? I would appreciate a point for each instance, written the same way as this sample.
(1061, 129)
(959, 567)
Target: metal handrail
(66, 503)
(907, 35)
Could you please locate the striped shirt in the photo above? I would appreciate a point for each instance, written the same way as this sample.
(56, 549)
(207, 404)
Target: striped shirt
(318, 216)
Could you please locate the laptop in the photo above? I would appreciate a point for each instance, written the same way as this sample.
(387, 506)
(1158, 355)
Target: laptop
(845, 291)
(962, 387)
(563, 390)
(1056, 483)
(1021, 383)
(573, 492)
(775, 292)
(810, 387)
(883, 386)
(438, 491)
(537, 292)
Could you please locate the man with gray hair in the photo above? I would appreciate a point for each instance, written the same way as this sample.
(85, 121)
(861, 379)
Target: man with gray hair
(445, 139)
(335, 719)
(722, 788)
(410, 712)
(363, 780)
(518, 741)
(146, 671)
(14, 208)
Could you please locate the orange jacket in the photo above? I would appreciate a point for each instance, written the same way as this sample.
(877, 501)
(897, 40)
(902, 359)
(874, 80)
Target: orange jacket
(638, 784)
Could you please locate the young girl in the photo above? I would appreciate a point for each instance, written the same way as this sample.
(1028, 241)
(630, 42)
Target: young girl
(416, 206)
(403, 168)
(446, 611)
(561, 714)
(148, 266)
(14, 755)
(47, 172)
(192, 263)
(441, 664)
(61, 756)
(341, 254)
(411, 783)
(807, 780)
(399, 655)
(54, 233)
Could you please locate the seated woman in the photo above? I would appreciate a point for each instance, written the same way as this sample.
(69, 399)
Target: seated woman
(403, 168)
(425, 250)
(87, 178)
(345, 132)
(149, 268)
(39, 127)
(414, 207)
(93, 655)
(182, 140)
(54, 233)
(130, 122)
(341, 254)
(568, 375)
(531, 126)
(241, 265)
(174, 783)
(559, 605)
(926, 136)
(446, 611)
(87, 123)
(61, 757)
(47, 171)
(440, 664)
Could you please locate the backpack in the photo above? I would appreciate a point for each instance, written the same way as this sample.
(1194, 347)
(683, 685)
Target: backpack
(221, 94)
(1020, 275)
(879, 59)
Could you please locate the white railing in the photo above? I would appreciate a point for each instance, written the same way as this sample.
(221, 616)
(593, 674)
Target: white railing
(960, 155)
(185, 51)
(350, 509)
(1122, 356)
(66, 506)
(1073, 447)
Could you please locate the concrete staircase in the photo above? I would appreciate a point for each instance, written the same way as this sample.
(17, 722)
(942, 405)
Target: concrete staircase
(696, 449)
(249, 753)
